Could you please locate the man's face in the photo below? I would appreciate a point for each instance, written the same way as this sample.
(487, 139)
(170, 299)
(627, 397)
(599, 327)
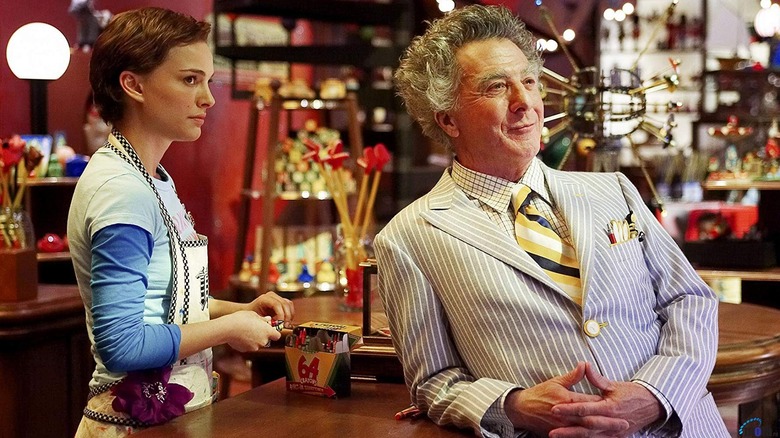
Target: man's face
(496, 128)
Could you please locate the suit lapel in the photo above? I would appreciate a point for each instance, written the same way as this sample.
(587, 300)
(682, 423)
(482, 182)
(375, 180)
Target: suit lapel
(573, 200)
(450, 210)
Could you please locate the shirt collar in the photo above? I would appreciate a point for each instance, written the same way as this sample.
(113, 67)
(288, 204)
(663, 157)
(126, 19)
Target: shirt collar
(494, 191)
(534, 178)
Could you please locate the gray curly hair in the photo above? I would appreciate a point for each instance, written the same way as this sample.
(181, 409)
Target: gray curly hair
(428, 77)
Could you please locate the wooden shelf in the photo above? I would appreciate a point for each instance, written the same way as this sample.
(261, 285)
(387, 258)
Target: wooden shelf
(58, 181)
(736, 184)
(344, 54)
(770, 274)
(288, 196)
(291, 290)
(53, 256)
(336, 11)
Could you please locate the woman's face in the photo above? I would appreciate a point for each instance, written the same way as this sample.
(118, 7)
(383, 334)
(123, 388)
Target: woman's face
(176, 94)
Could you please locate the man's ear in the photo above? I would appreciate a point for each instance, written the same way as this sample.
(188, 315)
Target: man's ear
(447, 124)
(131, 85)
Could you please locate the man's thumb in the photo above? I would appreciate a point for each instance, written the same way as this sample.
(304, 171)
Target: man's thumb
(572, 377)
(597, 379)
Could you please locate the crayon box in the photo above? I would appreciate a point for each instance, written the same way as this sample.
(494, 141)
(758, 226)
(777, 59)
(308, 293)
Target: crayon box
(317, 358)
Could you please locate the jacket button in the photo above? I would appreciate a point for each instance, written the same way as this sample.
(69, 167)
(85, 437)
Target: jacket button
(593, 328)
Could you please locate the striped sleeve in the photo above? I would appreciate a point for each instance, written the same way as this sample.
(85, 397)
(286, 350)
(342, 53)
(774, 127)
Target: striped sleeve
(439, 381)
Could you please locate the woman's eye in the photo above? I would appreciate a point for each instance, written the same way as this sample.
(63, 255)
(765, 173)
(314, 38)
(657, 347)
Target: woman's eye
(190, 80)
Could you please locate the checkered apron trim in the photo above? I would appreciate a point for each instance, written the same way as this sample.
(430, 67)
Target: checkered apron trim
(180, 305)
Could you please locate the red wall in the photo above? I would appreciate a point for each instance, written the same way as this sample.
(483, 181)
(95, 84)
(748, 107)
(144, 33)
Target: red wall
(207, 172)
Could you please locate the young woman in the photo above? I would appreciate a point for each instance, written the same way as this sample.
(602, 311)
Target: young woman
(140, 265)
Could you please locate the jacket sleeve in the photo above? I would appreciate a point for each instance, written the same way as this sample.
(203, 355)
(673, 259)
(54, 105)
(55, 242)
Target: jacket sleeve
(438, 380)
(688, 310)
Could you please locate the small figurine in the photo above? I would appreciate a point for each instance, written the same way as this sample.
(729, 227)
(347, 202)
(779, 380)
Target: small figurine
(751, 165)
(245, 274)
(90, 22)
(731, 161)
(255, 269)
(712, 226)
(273, 273)
(333, 88)
(326, 275)
(305, 276)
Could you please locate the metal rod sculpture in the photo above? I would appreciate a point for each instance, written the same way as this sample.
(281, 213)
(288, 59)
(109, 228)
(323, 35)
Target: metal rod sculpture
(590, 106)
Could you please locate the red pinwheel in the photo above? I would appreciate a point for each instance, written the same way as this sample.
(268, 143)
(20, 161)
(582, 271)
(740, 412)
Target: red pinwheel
(336, 155)
(314, 150)
(368, 160)
(13, 152)
(382, 156)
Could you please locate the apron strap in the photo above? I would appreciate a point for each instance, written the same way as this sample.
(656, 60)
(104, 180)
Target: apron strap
(123, 148)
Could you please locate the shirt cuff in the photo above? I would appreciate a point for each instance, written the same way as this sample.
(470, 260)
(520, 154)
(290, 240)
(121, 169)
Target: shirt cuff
(495, 421)
(664, 402)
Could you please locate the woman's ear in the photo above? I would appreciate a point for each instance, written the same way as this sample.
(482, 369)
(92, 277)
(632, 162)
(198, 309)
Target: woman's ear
(131, 85)
(447, 124)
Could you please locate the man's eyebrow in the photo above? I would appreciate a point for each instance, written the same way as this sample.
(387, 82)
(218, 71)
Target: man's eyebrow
(490, 76)
(502, 74)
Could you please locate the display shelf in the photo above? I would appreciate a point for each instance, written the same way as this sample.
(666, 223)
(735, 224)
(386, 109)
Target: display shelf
(47, 200)
(275, 108)
(770, 274)
(393, 20)
(746, 94)
(768, 223)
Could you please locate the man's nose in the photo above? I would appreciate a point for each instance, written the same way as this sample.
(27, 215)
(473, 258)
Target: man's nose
(519, 99)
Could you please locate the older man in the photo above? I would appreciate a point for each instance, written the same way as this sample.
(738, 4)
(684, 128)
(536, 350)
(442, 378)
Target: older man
(525, 300)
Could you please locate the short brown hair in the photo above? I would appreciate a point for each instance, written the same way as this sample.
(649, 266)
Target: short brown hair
(139, 41)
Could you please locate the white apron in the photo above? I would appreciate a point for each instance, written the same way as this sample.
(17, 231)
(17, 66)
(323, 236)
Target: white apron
(189, 304)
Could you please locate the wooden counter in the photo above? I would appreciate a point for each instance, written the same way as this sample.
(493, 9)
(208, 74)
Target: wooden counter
(45, 364)
(270, 410)
(747, 367)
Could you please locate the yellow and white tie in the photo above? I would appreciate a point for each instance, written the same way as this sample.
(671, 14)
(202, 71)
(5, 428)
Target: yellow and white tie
(537, 237)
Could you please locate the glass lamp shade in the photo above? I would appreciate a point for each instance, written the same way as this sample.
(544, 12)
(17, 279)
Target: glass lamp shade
(38, 51)
(767, 22)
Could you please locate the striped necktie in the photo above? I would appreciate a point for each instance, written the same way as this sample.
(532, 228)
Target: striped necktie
(536, 236)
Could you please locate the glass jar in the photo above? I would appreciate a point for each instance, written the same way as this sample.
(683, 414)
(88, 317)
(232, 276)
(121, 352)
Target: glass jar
(348, 253)
(16, 229)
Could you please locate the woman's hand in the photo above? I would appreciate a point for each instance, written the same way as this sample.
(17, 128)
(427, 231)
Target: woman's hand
(250, 331)
(271, 304)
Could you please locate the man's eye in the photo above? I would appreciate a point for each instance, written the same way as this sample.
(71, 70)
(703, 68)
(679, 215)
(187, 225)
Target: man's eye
(497, 86)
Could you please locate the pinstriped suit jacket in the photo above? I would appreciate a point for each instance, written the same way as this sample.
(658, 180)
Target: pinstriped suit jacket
(473, 316)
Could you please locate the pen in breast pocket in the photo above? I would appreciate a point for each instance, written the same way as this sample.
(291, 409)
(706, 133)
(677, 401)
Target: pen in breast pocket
(611, 236)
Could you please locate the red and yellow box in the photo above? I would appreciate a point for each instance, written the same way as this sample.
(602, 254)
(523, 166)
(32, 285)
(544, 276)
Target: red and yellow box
(317, 357)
